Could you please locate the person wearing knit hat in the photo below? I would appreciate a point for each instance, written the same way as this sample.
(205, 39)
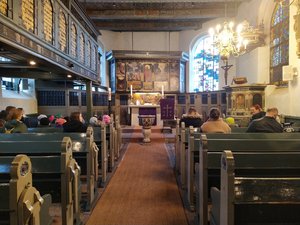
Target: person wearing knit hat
(41, 116)
(94, 121)
(59, 122)
(51, 118)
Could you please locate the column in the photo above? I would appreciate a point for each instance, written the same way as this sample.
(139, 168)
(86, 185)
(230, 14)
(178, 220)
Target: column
(89, 99)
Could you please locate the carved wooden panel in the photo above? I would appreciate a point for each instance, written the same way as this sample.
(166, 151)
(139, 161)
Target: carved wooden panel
(73, 46)
(88, 54)
(48, 21)
(93, 58)
(62, 34)
(3, 7)
(27, 14)
(81, 48)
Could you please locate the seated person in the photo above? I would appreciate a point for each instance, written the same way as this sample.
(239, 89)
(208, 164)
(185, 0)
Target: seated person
(266, 124)
(193, 118)
(75, 124)
(215, 124)
(231, 122)
(257, 112)
(15, 125)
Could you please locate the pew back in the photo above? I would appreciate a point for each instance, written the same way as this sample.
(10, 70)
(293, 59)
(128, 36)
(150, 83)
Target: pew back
(212, 146)
(20, 202)
(54, 171)
(254, 191)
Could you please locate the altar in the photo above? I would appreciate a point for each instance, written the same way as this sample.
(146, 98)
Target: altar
(136, 110)
(145, 104)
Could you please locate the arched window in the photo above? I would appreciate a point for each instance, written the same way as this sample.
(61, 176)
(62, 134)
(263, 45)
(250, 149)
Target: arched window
(205, 66)
(279, 42)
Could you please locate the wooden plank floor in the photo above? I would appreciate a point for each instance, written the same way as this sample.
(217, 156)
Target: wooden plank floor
(143, 190)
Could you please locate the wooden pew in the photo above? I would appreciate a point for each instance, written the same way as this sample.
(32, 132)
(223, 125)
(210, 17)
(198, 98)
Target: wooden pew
(211, 147)
(55, 172)
(20, 202)
(260, 188)
(100, 140)
(183, 148)
(111, 148)
(45, 129)
(85, 152)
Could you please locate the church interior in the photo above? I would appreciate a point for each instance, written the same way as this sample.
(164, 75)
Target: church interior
(133, 69)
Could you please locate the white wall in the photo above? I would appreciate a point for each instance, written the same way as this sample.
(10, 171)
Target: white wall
(28, 103)
(140, 41)
(253, 65)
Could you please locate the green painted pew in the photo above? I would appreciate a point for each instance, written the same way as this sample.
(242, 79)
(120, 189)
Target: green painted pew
(55, 172)
(20, 202)
(259, 188)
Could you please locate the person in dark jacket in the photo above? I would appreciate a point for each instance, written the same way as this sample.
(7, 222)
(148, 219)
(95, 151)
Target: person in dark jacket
(257, 112)
(75, 124)
(266, 124)
(193, 118)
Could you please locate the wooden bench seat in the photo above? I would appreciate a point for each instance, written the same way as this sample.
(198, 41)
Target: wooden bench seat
(101, 142)
(20, 202)
(84, 150)
(260, 188)
(54, 170)
(210, 154)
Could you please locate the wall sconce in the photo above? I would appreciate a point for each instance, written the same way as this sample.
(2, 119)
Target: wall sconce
(289, 72)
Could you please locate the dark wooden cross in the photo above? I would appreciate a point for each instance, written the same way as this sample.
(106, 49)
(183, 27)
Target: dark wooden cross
(226, 68)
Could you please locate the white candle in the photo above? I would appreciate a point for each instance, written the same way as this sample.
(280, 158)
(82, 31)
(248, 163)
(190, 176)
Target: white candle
(162, 90)
(109, 94)
(131, 90)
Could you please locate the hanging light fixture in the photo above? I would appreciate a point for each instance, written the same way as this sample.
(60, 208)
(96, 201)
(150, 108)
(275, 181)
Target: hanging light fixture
(234, 41)
(230, 41)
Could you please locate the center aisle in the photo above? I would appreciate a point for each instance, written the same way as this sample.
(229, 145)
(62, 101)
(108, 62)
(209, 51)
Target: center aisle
(143, 190)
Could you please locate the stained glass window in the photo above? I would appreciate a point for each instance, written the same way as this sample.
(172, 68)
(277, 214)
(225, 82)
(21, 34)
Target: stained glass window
(205, 76)
(279, 42)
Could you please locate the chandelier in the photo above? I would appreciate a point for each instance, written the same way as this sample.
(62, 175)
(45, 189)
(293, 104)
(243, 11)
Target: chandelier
(230, 41)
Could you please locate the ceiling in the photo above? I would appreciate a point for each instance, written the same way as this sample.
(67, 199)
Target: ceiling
(156, 15)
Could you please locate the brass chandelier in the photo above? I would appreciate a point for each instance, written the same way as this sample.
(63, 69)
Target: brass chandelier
(230, 41)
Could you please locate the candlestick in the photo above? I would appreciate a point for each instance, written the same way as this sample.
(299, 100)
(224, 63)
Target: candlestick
(109, 94)
(131, 90)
